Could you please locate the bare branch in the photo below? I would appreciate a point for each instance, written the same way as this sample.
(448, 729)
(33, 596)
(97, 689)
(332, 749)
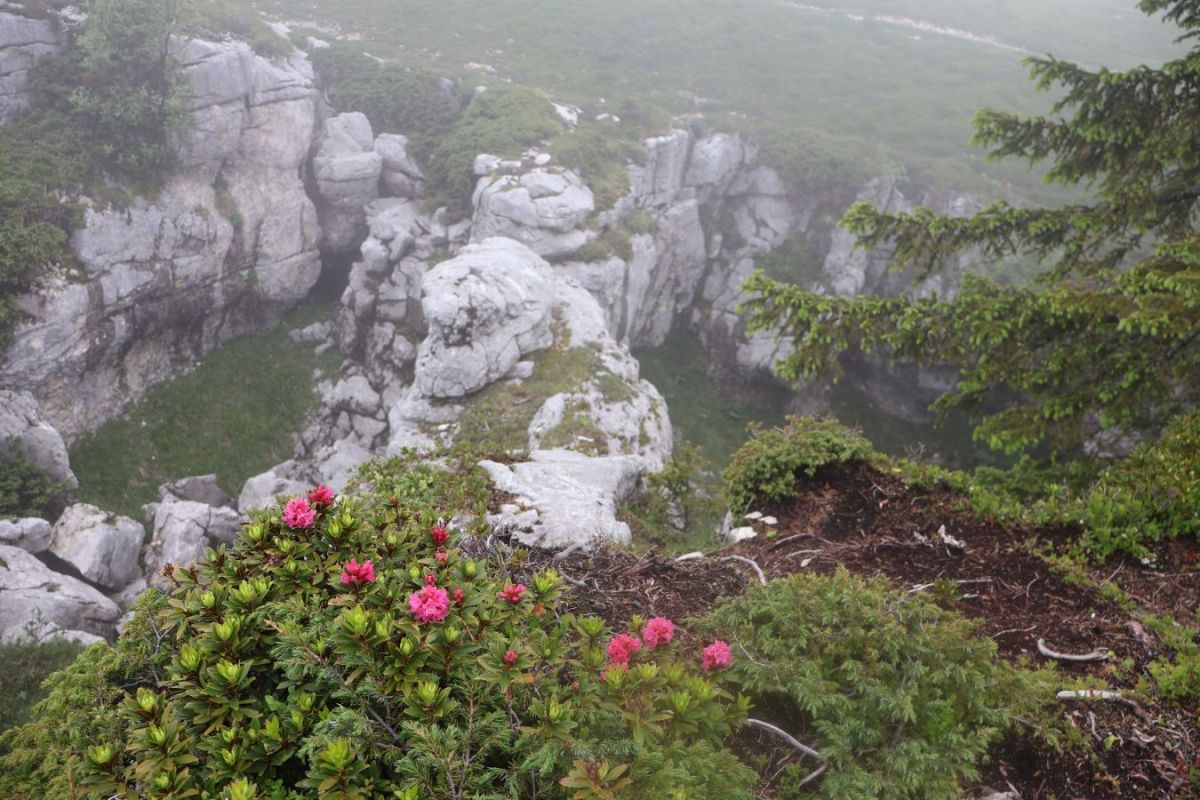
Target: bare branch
(1095, 655)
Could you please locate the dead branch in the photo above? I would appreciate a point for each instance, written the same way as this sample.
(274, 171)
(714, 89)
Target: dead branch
(1095, 655)
(794, 742)
(762, 578)
(1089, 694)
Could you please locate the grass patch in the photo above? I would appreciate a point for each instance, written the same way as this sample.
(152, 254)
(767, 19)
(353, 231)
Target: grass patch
(26, 665)
(828, 93)
(499, 416)
(701, 412)
(234, 415)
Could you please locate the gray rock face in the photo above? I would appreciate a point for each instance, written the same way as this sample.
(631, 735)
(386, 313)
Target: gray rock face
(34, 597)
(198, 489)
(486, 308)
(229, 245)
(184, 529)
(104, 548)
(25, 433)
(542, 209)
(23, 39)
(347, 169)
(575, 497)
(401, 174)
(262, 490)
(30, 534)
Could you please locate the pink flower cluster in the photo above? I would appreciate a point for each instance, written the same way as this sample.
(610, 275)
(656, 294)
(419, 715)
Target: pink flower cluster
(716, 656)
(439, 533)
(298, 514)
(510, 657)
(431, 604)
(355, 574)
(658, 632)
(622, 647)
(321, 497)
(512, 593)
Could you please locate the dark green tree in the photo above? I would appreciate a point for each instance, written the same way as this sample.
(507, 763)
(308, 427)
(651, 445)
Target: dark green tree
(1110, 331)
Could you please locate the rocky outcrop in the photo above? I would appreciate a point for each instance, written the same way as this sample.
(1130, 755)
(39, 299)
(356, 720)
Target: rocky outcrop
(346, 169)
(565, 498)
(184, 529)
(26, 434)
(30, 534)
(23, 39)
(485, 309)
(37, 601)
(101, 547)
(543, 208)
(227, 247)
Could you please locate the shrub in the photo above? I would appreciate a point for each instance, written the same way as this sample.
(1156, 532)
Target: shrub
(598, 159)
(395, 98)
(895, 692)
(768, 466)
(25, 490)
(1177, 677)
(1151, 495)
(356, 653)
(501, 121)
(26, 665)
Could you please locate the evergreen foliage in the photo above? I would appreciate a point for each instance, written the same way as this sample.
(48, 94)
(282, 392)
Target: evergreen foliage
(284, 669)
(1110, 331)
(897, 694)
(25, 490)
(502, 121)
(769, 464)
(395, 99)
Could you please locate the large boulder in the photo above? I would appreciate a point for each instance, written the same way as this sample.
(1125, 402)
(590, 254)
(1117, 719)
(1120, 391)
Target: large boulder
(30, 534)
(486, 308)
(226, 247)
(543, 209)
(184, 529)
(401, 175)
(196, 488)
(23, 39)
(103, 547)
(32, 597)
(262, 491)
(346, 169)
(25, 434)
(575, 497)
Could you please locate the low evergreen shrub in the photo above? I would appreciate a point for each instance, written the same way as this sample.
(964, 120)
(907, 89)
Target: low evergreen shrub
(896, 693)
(26, 490)
(351, 648)
(769, 464)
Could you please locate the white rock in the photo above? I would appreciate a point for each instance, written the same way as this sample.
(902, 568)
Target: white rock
(30, 534)
(486, 308)
(25, 433)
(741, 534)
(103, 547)
(31, 595)
(263, 490)
(576, 496)
(541, 209)
(347, 170)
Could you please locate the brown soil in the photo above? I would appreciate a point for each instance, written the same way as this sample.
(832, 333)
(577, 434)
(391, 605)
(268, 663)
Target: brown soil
(872, 524)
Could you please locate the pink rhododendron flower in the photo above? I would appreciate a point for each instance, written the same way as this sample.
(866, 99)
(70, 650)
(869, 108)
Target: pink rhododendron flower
(321, 497)
(658, 632)
(510, 657)
(298, 513)
(430, 579)
(512, 593)
(439, 533)
(355, 574)
(716, 656)
(458, 596)
(621, 648)
(440, 556)
(431, 604)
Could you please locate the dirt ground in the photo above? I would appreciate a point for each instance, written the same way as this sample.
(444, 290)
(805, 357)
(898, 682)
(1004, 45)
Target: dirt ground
(872, 524)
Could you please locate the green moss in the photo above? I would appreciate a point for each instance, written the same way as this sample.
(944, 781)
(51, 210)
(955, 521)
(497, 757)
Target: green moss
(498, 417)
(577, 432)
(234, 415)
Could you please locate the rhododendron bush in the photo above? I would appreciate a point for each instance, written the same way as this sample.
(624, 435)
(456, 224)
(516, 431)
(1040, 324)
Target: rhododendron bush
(358, 647)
